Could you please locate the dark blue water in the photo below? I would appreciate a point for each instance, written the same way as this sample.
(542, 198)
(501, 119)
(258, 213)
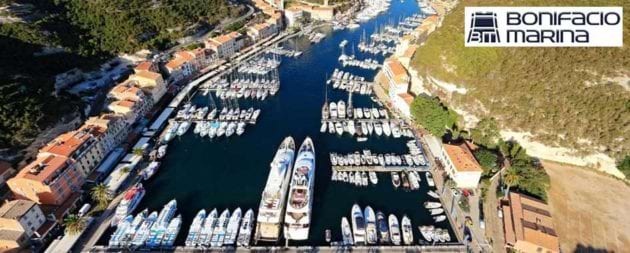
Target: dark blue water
(229, 173)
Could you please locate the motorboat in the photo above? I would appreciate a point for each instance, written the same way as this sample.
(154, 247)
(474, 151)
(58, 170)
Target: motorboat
(383, 228)
(298, 214)
(231, 231)
(358, 225)
(394, 230)
(371, 233)
(195, 228)
(130, 201)
(407, 230)
(273, 200)
(346, 232)
(245, 231)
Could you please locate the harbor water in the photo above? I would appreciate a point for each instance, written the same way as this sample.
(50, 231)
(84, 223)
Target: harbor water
(231, 172)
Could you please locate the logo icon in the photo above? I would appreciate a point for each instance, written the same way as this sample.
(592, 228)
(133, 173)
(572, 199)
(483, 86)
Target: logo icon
(483, 28)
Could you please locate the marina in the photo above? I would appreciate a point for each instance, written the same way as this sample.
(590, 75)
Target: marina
(255, 172)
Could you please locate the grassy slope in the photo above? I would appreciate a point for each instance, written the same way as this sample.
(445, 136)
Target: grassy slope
(541, 90)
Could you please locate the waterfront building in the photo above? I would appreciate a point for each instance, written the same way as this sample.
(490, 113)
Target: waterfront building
(317, 12)
(460, 165)
(528, 225)
(293, 15)
(182, 65)
(226, 45)
(261, 31)
(6, 171)
(115, 130)
(402, 102)
(397, 77)
(146, 66)
(50, 179)
(20, 221)
(81, 146)
(130, 100)
(151, 83)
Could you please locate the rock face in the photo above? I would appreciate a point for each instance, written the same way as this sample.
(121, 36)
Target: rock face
(570, 105)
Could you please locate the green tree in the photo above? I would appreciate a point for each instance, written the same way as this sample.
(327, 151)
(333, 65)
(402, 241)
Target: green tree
(125, 170)
(510, 178)
(624, 166)
(486, 133)
(488, 161)
(101, 194)
(74, 224)
(138, 151)
(431, 114)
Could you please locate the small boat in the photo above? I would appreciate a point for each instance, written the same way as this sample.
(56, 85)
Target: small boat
(218, 235)
(430, 181)
(231, 231)
(394, 229)
(171, 232)
(407, 230)
(341, 109)
(150, 170)
(333, 110)
(358, 225)
(116, 238)
(431, 205)
(395, 179)
(142, 234)
(323, 128)
(240, 129)
(427, 232)
(386, 129)
(245, 231)
(328, 235)
(383, 228)
(436, 211)
(195, 228)
(205, 233)
(439, 218)
(373, 177)
(378, 129)
(183, 128)
(371, 234)
(161, 152)
(171, 131)
(331, 127)
(346, 232)
(339, 128)
(433, 194)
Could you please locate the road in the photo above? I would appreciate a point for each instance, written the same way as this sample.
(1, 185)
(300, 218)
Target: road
(201, 37)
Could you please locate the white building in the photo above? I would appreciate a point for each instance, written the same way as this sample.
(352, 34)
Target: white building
(460, 165)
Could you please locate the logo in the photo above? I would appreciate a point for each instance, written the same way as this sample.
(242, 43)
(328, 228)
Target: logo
(483, 28)
(543, 27)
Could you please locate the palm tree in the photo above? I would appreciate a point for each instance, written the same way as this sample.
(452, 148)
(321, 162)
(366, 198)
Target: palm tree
(125, 170)
(74, 224)
(511, 178)
(100, 193)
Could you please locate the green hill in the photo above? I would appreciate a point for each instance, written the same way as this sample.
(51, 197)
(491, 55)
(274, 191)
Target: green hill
(570, 97)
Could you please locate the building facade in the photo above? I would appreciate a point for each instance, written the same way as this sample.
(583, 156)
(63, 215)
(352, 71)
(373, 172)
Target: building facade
(151, 83)
(49, 180)
(460, 165)
(226, 45)
(81, 146)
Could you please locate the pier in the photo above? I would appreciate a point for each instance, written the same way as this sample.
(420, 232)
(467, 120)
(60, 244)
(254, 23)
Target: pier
(379, 168)
(446, 247)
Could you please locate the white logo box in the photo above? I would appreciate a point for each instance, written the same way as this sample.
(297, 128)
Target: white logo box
(538, 27)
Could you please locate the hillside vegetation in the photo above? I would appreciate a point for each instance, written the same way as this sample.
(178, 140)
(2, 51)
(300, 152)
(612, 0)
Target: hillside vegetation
(565, 96)
(89, 32)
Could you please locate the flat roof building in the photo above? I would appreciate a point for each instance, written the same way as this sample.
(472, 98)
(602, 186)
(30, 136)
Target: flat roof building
(461, 166)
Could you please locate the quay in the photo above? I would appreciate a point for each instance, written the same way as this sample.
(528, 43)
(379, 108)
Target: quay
(379, 168)
(346, 81)
(444, 247)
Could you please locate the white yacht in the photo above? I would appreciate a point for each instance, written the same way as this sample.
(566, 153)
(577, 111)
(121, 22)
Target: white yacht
(297, 220)
(358, 225)
(195, 228)
(218, 234)
(333, 110)
(273, 201)
(130, 201)
(341, 109)
(205, 233)
(394, 229)
(407, 231)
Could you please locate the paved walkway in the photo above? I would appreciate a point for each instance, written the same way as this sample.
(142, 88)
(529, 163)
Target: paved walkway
(494, 224)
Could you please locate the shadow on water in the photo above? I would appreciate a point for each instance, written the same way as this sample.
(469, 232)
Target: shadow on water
(229, 173)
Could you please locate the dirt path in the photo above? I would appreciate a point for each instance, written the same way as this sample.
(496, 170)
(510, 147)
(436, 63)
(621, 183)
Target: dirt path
(591, 211)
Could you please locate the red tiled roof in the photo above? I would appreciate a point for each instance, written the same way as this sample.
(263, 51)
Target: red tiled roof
(462, 158)
(43, 167)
